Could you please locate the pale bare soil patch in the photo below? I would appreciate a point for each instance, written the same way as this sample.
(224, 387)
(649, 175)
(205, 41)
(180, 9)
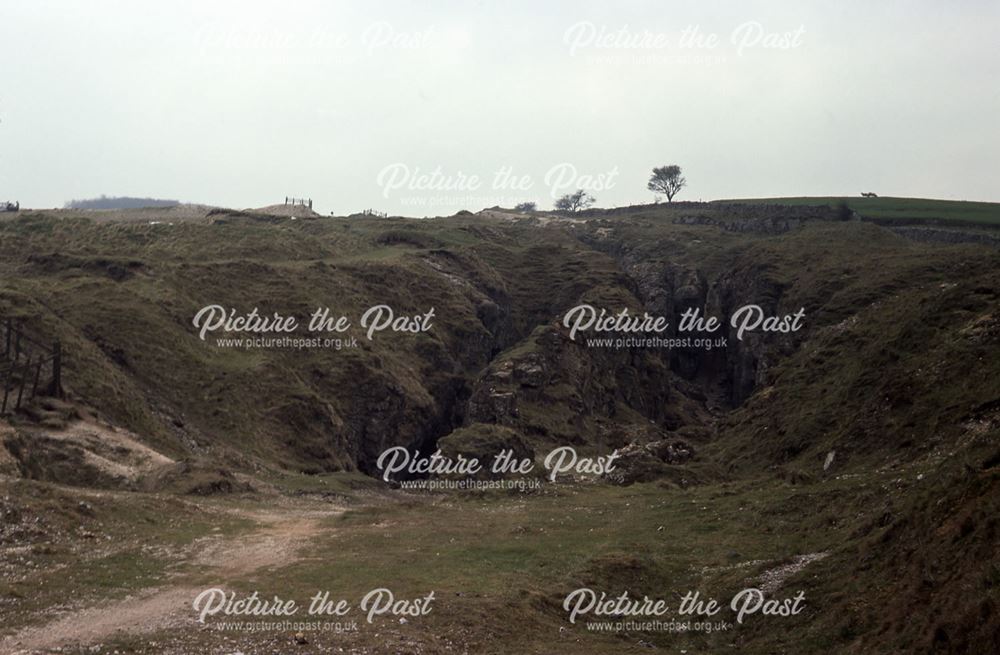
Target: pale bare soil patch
(278, 541)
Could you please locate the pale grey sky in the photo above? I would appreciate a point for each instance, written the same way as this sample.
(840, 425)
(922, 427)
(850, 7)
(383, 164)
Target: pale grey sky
(355, 104)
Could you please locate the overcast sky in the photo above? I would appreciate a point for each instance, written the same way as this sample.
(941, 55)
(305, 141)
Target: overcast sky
(358, 104)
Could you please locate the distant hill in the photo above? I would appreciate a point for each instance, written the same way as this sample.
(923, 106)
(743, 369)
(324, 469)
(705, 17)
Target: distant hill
(120, 202)
(908, 210)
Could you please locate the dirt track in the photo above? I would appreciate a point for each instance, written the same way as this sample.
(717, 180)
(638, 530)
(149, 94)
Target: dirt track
(278, 541)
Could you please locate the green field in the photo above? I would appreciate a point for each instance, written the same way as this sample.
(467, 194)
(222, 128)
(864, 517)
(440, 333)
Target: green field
(903, 210)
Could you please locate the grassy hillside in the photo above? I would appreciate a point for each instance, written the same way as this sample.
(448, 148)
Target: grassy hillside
(856, 460)
(899, 210)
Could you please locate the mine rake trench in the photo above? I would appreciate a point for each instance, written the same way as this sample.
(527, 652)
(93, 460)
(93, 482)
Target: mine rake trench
(24, 359)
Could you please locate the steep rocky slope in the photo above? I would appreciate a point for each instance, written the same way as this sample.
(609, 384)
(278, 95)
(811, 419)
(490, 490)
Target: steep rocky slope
(121, 297)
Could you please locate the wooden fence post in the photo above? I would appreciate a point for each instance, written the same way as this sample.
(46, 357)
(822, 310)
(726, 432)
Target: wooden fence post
(38, 374)
(25, 371)
(57, 370)
(3, 406)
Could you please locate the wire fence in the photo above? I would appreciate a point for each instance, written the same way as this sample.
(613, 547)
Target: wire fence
(28, 367)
